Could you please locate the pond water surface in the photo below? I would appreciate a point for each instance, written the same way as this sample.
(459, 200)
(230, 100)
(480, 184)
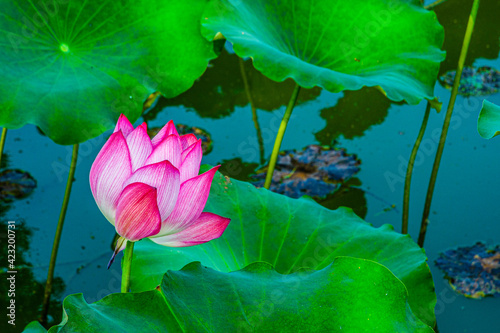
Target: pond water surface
(381, 133)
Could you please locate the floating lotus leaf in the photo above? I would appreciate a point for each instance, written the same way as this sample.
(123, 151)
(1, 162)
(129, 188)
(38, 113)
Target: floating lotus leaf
(15, 184)
(290, 234)
(350, 295)
(315, 171)
(71, 67)
(335, 44)
(473, 271)
(474, 81)
(488, 124)
(206, 138)
(34, 327)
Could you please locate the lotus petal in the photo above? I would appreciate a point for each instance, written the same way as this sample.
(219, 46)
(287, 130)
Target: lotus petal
(165, 178)
(124, 125)
(111, 168)
(169, 149)
(205, 228)
(139, 146)
(137, 214)
(191, 160)
(187, 140)
(192, 198)
(168, 129)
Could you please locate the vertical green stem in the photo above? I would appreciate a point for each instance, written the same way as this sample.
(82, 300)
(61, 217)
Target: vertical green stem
(279, 136)
(2, 143)
(57, 238)
(254, 110)
(126, 267)
(446, 125)
(409, 171)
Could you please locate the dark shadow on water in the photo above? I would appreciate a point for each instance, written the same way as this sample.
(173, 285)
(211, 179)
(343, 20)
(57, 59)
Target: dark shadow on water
(238, 169)
(453, 16)
(348, 195)
(353, 114)
(28, 293)
(221, 89)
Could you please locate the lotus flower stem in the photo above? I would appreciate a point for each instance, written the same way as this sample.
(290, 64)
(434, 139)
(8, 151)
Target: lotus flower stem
(57, 237)
(409, 170)
(446, 125)
(254, 110)
(2, 143)
(279, 136)
(127, 264)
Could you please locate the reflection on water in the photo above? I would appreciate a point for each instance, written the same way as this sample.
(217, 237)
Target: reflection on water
(28, 292)
(348, 195)
(453, 16)
(353, 114)
(238, 169)
(221, 89)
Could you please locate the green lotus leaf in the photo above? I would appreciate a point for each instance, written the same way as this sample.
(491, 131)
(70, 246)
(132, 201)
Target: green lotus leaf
(350, 295)
(34, 327)
(488, 124)
(71, 67)
(335, 44)
(290, 234)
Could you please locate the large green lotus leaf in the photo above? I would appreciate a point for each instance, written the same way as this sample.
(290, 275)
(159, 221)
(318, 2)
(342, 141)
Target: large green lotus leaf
(488, 124)
(335, 44)
(126, 312)
(350, 295)
(71, 67)
(289, 234)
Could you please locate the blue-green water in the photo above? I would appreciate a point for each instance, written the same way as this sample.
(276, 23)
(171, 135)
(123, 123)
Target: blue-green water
(465, 207)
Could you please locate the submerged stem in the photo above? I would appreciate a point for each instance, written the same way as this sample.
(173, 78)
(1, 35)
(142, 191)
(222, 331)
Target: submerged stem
(446, 125)
(126, 267)
(279, 136)
(57, 237)
(409, 171)
(2, 143)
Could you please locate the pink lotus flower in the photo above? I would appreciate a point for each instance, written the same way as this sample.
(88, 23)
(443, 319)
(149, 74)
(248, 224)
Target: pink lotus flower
(151, 188)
